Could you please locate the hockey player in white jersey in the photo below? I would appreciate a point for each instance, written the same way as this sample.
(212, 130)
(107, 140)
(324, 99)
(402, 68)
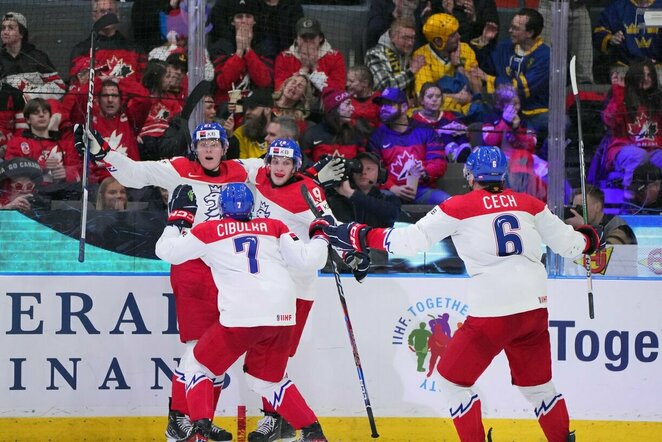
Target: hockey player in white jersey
(278, 196)
(498, 234)
(250, 261)
(194, 290)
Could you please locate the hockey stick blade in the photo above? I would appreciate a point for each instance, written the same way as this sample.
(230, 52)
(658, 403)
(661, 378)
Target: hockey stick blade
(105, 20)
(573, 75)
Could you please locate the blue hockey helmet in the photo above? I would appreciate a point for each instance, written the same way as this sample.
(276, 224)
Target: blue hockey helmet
(208, 131)
(284, 147)
(236, 201)
(486, 164)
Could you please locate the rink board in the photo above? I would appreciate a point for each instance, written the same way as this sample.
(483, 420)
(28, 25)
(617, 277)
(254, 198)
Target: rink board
(95, 346)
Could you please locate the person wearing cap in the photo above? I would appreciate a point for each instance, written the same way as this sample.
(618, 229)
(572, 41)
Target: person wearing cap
(23, 65)
(523, 61)
(391, 61)
(407, 150)
(115, 55)
(240, 61)
(335, 135)
(19, 179)
(446, 55)
(248, 139)
(312, 55)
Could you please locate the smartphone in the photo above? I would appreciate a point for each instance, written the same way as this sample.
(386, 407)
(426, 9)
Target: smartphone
(568, 214)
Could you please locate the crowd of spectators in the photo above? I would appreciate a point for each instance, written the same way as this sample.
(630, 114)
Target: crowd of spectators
(438, 80)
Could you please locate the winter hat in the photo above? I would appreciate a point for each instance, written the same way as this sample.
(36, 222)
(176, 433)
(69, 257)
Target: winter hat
(332, 98)
(440, 26)
(21, 167)
(390, 95)
(241, 7)
(18, 18)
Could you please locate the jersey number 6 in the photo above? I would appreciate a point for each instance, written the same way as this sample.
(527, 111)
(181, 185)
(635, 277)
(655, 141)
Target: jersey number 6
(508, 242)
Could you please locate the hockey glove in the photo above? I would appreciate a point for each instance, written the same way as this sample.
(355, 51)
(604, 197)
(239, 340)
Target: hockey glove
(350, 237)
(318, 225)
(98, 146)
(594, 238)
(332, 173)
(359, 263)
(182, 207)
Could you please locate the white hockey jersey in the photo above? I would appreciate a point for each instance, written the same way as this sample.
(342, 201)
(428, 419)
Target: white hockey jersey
(287, 204)
(500, 238)
(179, 170)
(250, 262)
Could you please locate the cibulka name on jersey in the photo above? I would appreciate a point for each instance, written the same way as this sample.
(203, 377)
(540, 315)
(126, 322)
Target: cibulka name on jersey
(498, 201)
(231, 228)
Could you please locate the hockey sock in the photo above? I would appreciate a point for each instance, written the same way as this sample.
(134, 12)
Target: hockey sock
(200, 397)
(465, 411)
(218, 387)
(179, 393)
(550, 410)
(285, 398)
(266, 406)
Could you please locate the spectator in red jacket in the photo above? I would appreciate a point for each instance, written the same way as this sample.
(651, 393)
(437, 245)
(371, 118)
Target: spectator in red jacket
(335, 135)
(240, 61)
(360, 86)
(56, 156)
(634, 114)
(312, 55)
(115, 55)
(12, 121)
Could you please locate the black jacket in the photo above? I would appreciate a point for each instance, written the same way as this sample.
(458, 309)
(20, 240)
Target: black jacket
(376, 208)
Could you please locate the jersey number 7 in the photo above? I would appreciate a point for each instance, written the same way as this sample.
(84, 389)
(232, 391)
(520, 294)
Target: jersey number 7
(248, 245)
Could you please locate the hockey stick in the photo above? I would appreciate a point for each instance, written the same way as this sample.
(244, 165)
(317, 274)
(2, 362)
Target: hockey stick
(106, 20)
(350, 330)
(582, 179)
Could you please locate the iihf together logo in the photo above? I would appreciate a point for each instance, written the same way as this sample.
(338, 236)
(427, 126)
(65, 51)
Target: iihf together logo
(424, 331)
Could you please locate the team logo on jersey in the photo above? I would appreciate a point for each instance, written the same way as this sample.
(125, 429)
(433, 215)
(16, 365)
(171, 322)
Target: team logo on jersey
(212, 210)
(117, 67)
(115, 142)
(423, 332)
(599, 260)
(263, 210)
(25, 148)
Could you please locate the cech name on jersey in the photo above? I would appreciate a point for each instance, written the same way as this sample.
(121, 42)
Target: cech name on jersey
(499, 201)
(232, 228)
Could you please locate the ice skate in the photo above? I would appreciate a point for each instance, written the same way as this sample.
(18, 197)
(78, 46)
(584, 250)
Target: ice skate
(312, 433)
(272, 427)
(179, 427)
(218, 434)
